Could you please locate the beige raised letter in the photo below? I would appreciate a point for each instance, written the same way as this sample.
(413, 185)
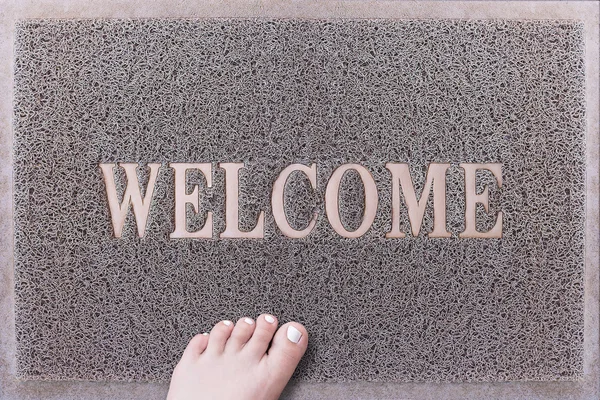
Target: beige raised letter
(182, 198)
(332, 199)
(472, 198)
(232, 229)
(436, 173)
(277, 200)
(132, 195)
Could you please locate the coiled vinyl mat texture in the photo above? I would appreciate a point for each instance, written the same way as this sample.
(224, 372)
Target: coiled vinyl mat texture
(272, 92)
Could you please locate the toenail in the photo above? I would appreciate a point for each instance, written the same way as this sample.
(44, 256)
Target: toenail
(228, 323)
(293, 334)
(248, 321)
(269, 319)
(205, 333)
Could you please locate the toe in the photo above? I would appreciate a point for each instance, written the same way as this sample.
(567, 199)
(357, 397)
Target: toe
(266, 325)
(288, 347)
(219, 335)
(241, 334)
(195, 347)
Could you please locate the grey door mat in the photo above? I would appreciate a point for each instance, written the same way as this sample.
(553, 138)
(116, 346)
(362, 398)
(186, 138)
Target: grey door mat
(270, 93)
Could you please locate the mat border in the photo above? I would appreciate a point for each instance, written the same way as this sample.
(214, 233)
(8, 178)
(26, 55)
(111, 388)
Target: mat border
(586, 11)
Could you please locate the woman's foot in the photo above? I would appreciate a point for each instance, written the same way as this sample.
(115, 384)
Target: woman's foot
(236, 362)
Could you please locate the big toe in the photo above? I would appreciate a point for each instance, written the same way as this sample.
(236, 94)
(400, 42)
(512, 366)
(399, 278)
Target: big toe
(287, 348)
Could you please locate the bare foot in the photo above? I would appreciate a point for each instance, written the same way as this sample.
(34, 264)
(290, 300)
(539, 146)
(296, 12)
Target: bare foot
(233, 362)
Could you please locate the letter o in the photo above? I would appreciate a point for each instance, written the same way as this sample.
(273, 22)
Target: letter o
(332, 200)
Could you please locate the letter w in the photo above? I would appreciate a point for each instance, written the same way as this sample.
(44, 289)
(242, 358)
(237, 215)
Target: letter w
(132, 195)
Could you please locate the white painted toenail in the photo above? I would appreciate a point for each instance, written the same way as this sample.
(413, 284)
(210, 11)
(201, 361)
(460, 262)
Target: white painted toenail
(248, 321)
(205, 333)
(269, 319)
(228, 323)
(293, 334)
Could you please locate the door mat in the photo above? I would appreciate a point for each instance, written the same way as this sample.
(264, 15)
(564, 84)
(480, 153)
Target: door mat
(410, 191)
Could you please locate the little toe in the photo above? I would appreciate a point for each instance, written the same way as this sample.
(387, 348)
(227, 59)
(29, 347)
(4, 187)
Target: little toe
(266, 325)
(241, 334)
(219, 335)
(195, 347)
(288, 347)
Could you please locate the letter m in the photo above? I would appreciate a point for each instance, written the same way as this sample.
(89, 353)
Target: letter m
(402, 181)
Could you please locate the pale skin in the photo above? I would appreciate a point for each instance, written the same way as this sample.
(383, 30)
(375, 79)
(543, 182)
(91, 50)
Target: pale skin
(251, 359)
